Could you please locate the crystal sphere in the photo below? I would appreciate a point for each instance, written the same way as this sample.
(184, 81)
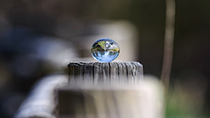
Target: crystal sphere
(105, 50)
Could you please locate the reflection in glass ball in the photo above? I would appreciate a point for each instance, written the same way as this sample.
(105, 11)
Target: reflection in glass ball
(105, 50)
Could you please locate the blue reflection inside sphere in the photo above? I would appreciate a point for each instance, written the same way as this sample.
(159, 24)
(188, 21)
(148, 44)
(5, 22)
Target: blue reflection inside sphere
(105, 50)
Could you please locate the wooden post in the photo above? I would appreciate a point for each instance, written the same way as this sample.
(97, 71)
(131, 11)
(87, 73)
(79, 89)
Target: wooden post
(107, 90)
(126, 101)
(105, 73)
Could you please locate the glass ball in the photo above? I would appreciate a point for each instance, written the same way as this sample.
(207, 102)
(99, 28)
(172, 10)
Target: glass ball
(105, 50)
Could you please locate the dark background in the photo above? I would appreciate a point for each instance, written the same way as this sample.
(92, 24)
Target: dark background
(190, 77)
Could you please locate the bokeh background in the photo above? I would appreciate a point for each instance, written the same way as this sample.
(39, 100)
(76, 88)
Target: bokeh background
(38, 37)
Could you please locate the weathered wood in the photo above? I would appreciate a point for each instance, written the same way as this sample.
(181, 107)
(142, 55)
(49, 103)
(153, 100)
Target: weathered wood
(114, 101)
(92, 90)
(105, 73)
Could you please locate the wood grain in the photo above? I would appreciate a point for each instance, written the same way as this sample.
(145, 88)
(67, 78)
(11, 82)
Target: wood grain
(105, 73)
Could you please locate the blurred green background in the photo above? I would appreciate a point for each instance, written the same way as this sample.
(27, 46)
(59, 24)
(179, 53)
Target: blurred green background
(189, 94)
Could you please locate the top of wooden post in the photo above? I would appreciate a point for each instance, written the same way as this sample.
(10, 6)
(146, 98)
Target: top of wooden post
(101, 73)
